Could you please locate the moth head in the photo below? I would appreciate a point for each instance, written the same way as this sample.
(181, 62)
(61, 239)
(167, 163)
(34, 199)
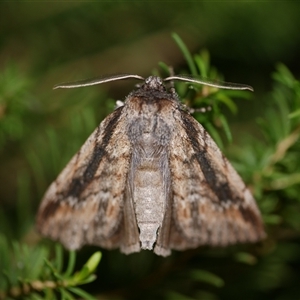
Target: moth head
(154, 83)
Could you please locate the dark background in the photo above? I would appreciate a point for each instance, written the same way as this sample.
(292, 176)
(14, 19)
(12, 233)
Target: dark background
(42, 44)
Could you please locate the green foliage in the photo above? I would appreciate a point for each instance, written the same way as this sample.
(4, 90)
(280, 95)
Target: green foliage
(42, 135)
(201, 97)
(272, 163)
(15, 102)
(30, 273)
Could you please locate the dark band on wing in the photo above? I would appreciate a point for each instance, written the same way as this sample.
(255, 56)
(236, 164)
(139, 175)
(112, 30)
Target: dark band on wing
(47, 212)
(219, 186)
(79, 184)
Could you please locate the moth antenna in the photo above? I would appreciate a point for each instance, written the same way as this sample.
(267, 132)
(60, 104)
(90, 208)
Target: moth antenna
(217, 84)
(99, 80)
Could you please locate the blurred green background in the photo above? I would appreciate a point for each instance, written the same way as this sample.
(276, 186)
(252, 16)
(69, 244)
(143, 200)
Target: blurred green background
(45, 43)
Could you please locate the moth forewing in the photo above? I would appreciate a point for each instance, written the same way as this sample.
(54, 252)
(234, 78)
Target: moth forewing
(84, 205)
(211, 203)
(149, 177)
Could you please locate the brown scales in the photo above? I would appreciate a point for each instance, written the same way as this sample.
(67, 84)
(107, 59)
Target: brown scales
(147, 159)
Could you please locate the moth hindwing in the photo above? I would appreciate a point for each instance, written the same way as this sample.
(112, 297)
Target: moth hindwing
(149, 177)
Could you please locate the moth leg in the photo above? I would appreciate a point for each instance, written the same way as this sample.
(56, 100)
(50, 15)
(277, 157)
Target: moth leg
(172, 86)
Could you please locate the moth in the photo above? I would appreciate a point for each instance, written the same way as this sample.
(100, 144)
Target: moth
(149, 177)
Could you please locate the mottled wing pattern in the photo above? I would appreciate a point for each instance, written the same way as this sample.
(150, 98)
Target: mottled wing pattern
(85, 204)
(211, 204)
